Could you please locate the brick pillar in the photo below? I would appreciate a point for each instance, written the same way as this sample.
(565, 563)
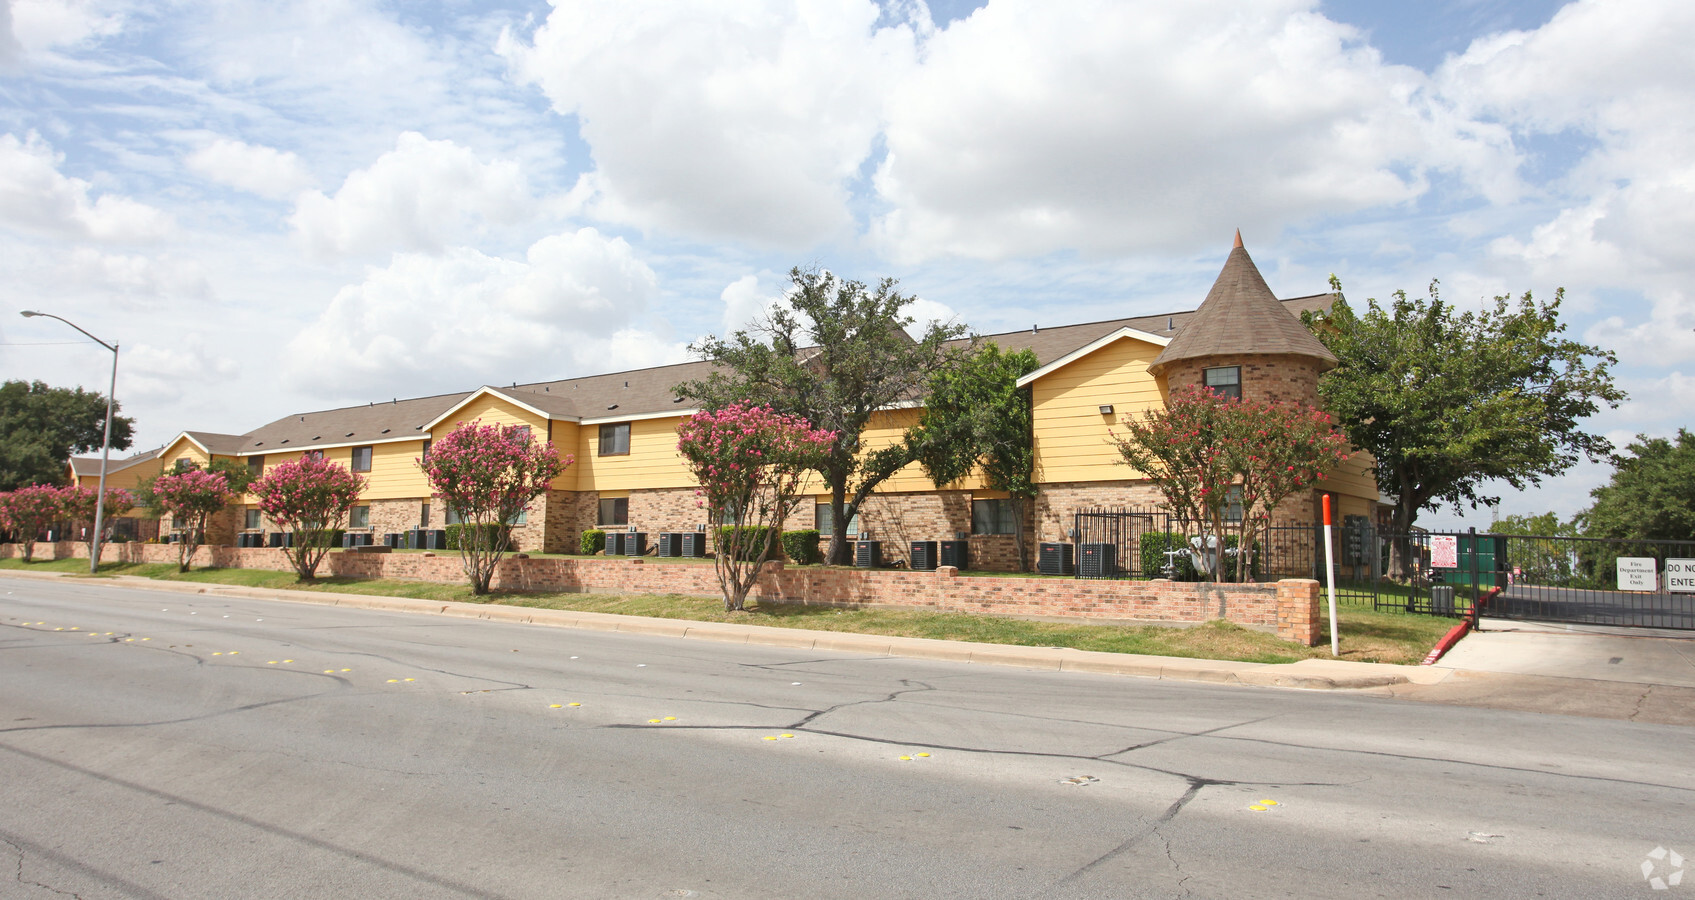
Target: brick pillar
(1298, 616)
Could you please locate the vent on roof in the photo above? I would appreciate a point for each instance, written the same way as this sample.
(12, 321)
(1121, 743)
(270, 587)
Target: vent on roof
(626, 384)
(613, 406)
(1168, 323)
(283, 441)
(316, 436)
(385, 431)
(349, 434)
(302, 418)
(1035, 329)
(676, 399)
(258, 443)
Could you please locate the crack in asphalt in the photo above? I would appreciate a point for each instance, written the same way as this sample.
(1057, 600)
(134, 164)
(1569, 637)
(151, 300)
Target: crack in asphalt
(1639, 701)
(20, 874)
(1195, 785)
(892, 696)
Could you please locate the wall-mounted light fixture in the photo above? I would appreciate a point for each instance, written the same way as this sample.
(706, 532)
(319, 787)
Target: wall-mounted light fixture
(1106, 409)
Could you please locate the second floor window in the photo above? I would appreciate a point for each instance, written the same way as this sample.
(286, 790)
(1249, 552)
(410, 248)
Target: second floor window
(183, 465)
(312, 454)
(361, 459)
(615, 439)
(256, 465)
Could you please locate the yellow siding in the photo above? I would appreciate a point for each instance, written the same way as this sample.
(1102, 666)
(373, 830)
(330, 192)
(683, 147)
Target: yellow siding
(493, 410)
(394, 472)
(653, 460)
(1071, 433)
(566, 442)
(183, 448)
(1354, 483)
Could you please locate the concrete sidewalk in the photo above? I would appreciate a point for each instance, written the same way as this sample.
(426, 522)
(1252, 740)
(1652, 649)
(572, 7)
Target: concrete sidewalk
(1445, 683)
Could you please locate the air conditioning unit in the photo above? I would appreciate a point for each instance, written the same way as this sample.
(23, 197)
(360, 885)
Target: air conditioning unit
(868, 554)
(635, 543)
(1054, 559)
(923, 555)
(615, 543)
(955, 553)
(694, 544)
(671, 543)
(1097, 561)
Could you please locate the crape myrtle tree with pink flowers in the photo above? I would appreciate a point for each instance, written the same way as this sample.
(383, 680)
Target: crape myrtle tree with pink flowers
(79, 510)
(310, 497)
(191, 497)
(30, 509)
(749, 461)
(488, 475)
(1207, 452)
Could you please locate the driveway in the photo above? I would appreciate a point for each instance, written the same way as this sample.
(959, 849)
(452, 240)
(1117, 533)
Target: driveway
(1599, 652)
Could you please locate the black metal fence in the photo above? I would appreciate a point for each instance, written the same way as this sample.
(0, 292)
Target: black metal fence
(1559, 579)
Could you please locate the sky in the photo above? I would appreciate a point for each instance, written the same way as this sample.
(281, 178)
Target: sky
(276, 207)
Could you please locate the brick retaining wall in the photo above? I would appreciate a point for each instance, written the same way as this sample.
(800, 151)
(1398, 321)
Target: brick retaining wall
(1291, 607)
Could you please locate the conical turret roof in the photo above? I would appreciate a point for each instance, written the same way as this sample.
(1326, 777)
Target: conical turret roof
(1239, 316)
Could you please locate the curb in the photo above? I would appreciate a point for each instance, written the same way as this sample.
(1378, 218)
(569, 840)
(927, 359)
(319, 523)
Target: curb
(1336, 675)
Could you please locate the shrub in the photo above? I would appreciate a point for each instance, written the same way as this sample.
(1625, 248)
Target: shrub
(801, 546)
(754, 537)
(593, 541)
(494, 535)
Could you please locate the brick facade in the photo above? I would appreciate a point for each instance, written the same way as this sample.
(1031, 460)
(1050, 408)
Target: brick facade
(1278, 379)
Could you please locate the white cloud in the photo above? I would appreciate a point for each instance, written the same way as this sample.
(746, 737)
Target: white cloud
(431, 323)
(254, 168)
(742, 121)
(1110, 127)
(40, 25)
(11, 52)
(1615, 78)
(36, 197)
(415, 197)
(152, 373)
(744, 302)
(1667, 338)
(133, 276)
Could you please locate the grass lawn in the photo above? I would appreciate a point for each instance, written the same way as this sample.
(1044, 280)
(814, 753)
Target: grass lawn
(1367, 635)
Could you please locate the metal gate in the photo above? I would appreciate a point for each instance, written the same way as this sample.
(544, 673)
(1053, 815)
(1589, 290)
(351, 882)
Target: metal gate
(1593, 581)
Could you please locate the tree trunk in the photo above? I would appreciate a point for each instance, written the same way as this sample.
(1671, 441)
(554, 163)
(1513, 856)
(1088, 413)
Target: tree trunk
(1401, 557)
(1018, 531)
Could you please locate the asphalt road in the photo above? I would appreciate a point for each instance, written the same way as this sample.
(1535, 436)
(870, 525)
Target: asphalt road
(180, 746)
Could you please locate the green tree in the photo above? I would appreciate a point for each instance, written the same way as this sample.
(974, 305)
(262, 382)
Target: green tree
(1448, 401)
(489, 475)
(1651, 495)
(41, 427)
(834, 353)
(311, 498)
(1539, 550)
(977, 417)
(191, 497)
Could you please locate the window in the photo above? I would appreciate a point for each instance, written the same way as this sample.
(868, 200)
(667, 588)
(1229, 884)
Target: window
(426, 456)
(615, 439)
(1233, 504)
(359, 517)
(424, 512)
(993, 517)
(312, 454)
(522, 518)
(252, 523)
(183, 465)
(826, 528)
(256, 465)
(1226, 381)
(523, 431)
(614, 510)
(361, 459)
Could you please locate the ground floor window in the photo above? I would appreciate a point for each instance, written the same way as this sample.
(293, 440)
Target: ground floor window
(252, 523)
(993, 517)
(827, 526)
(359, 517)
(614, 511)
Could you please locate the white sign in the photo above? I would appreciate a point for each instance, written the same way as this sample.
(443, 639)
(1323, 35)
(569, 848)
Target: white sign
(1444, 551)
(1637, 573)
(1680, 575)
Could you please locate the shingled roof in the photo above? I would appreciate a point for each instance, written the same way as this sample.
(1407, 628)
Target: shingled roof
(1239, 316)
(90, 465)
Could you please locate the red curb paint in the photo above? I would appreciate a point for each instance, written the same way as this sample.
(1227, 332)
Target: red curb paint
(1458, 631)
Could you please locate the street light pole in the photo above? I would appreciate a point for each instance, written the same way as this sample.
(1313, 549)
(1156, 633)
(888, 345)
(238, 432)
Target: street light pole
(105, 443)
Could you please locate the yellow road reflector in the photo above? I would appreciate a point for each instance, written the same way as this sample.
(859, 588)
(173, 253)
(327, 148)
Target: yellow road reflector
(108, 634)
(147, 639)
(288, 660)
(329, 671)
(127, 640)
(270, 662)
(770, 737)
(670, 718)
(786, 735)
(906, 759)
(408, 679)
(556, 706)
(1268, 803)
(347, 670)
(1257, 808)
(217, 653)
(232, 652)
(573, 704)
(653, 721)
(923, 754)
(394, 681)
(58, 629)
